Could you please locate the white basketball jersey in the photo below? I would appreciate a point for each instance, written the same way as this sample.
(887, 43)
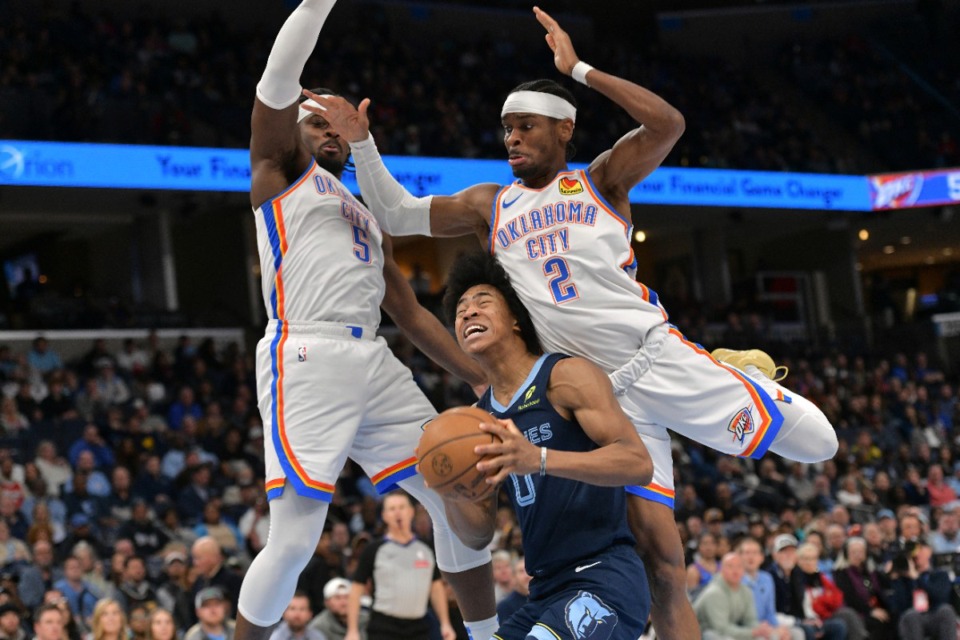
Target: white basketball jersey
(321, 257)
(569, 257)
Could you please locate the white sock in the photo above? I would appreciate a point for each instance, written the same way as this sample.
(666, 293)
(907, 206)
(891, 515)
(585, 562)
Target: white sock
(482, 629)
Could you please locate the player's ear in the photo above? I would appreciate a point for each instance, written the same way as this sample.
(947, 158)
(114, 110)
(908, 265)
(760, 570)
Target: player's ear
(565, 130)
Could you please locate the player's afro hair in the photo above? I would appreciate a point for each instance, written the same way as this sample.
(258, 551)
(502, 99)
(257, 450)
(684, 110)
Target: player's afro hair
(554, 88)
(476, 268)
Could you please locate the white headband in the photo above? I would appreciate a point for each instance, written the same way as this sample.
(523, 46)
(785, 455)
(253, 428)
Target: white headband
(303, 113)
(544, 104)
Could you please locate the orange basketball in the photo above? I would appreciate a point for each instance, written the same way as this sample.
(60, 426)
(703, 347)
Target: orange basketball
(446, 458)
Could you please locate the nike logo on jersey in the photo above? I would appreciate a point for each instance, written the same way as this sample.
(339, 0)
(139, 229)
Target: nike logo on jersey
(507, 205)
(586, 566)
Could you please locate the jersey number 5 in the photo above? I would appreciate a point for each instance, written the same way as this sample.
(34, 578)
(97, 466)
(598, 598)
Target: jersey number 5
(360, 247)
(558, 271)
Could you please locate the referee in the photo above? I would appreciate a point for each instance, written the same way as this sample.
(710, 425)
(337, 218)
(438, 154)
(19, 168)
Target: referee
(402, 574)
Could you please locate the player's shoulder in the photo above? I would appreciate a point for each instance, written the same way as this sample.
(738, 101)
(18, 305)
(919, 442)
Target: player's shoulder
(574, 367)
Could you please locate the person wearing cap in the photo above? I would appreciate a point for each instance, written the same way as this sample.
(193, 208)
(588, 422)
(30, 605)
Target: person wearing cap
(10, 627)
(760, 583)
(332, 621)
(296, 619)
(174, 594)
(784, 561)
(211, 610)
(921, 597)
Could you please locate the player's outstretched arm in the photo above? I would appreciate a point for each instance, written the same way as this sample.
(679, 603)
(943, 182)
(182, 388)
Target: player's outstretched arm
(580, 388)
(277, 154)
(638, 153)
(396, 209)
(423, 328)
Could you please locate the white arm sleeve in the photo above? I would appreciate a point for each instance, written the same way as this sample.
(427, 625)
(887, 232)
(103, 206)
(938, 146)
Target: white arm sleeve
(395, 208)
(280, 85)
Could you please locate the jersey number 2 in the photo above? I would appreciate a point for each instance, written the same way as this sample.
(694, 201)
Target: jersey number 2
(558, 271)
(360, 247)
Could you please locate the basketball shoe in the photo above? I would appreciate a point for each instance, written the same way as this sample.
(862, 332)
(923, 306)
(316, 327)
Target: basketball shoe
(751, 357)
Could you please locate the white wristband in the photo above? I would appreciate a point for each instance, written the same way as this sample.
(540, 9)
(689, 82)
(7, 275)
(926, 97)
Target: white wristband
(543, 461)
(579, 72)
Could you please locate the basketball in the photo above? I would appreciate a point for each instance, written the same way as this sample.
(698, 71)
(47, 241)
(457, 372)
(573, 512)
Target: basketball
(446, 458)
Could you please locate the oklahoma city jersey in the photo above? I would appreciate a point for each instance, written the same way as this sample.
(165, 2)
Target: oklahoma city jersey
(565, 246)
(320, 254)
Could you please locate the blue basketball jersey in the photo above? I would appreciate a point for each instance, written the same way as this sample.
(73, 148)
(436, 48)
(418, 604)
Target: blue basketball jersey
(563, 521)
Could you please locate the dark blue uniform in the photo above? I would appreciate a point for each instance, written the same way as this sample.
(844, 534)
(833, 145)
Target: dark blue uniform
(588, 582)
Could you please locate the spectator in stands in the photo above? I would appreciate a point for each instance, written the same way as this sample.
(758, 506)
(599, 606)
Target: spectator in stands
(185, 405)
(142, 529)
(208, 561)
(175, 593)
(12, 421)
(705, 564)
(327, 563)
(93, 442)
(725, 607)
(113, 390)
(161, 625)
(87, 365)
(39, 576)
(332, 621)
(42, 358)
(211, 610)
(109, 621)
(910, 530)
(254, 524)
(72, 628)
(135, 589)
(55, 469)
(92, 569)
(295, 622)
(139, 617)
(217, 527)
(59, 404)
(97, 483)
(817, 602)
(10, 624)
(865, 591)
(194, 498)
(764, 596)
(521, 591)
(502, 563)
(941, 493)
(12, 550)
(48, 623)
(76, 590)
(921, 596)
(132, 359)
(151, 483)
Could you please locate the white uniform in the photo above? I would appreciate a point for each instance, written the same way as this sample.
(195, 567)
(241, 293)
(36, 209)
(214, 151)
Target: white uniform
(568, 255)
(327, 386)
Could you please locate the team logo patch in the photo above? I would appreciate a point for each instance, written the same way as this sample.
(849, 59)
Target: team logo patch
(741, 425)
(302, 354)
(570, 186)
(588, 618)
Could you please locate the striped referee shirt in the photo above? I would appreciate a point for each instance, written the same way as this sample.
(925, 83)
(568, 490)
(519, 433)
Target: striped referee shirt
(402, 575)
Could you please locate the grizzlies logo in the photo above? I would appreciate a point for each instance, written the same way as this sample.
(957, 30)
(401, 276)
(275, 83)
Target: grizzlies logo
(588, 618)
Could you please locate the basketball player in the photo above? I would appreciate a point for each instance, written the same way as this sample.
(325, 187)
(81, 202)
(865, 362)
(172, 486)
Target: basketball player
(564, 237)
(567, 487)
(328, 387)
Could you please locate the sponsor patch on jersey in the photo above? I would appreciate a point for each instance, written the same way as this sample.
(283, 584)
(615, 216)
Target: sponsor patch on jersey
(526, 398)
(741, 425)
(570, 186)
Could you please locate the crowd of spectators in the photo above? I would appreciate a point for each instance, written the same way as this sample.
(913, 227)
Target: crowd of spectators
(96, 76)
(135, 476)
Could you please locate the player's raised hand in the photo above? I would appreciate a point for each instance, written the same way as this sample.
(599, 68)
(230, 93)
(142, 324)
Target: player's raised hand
(559, 42)
(349, 122)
